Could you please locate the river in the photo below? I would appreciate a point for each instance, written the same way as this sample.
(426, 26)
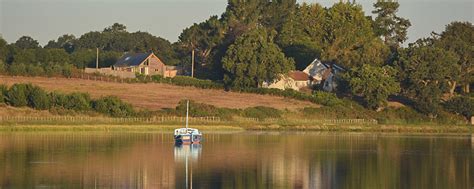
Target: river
(236, 160)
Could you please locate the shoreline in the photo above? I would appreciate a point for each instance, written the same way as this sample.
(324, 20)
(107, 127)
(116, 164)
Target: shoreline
(428, 129)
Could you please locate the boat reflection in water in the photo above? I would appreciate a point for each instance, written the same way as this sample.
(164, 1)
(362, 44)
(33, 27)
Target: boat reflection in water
(184, 151)
(187, 154)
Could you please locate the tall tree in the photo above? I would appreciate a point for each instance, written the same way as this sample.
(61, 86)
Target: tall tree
(425, 72)
(388, 25)
(115, 28)
(374, 84)
(3, 57)
(275, 13)
(302, 34)
(3, 49)
(253, 59)
(203, 38)
(458, 37)
(27, 42)
(65, 42)
(348, 34)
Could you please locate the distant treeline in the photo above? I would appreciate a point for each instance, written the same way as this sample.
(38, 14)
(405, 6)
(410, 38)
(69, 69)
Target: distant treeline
(256, 41)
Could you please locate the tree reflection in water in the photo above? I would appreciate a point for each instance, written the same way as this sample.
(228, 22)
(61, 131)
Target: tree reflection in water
(238, 160)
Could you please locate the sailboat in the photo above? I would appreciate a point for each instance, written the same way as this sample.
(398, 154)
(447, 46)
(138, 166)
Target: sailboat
(187, 135)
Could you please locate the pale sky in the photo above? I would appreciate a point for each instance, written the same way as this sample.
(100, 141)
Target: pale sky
(45, 20)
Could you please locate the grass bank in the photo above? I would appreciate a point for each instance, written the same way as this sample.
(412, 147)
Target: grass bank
(369, 128)
(237, 127)
(109, 128)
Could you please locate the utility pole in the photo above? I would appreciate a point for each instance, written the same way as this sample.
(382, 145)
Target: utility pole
(97, 60)
(192, 64)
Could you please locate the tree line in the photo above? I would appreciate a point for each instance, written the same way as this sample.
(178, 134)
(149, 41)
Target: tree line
(67, 53)
(257, 41)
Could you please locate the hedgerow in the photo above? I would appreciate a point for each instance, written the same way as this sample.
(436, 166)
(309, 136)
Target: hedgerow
(20, 95)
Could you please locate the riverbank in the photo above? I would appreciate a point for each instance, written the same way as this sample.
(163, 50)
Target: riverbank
(110, 128)
(272, 127)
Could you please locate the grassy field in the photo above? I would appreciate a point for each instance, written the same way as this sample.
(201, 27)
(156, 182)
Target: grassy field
(154, 96)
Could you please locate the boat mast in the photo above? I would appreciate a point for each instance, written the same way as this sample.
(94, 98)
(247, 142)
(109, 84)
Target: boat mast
(187, 113)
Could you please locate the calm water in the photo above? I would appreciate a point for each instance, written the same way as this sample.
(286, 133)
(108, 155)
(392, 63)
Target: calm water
(238, 160)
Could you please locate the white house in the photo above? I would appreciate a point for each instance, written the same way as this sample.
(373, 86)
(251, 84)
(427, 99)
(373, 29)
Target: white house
(323, 74)
(294, 80)
(317, 73)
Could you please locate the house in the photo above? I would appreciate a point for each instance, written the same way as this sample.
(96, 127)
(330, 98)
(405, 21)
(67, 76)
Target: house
(323, 74)
(132, 63)
(142, 63)
(319, 74)
(295, 80)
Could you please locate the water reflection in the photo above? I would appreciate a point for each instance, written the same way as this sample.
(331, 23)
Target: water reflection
(245, 160)
(187, 154)
(187, 151)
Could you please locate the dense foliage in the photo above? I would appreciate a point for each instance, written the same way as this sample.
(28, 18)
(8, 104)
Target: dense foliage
(459, 38)
(186, 81)
(374, 84)
(254, 59)
(426, 72)
(388, 25)
(203, 110)
(112, 106)
(3, 93)
(461, 105)
(22, 95)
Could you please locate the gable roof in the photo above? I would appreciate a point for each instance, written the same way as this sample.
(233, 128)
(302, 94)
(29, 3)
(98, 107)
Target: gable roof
(132, 59)
(317, 68)
(299, 76)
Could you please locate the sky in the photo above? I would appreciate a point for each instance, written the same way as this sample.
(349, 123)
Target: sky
(46, 20)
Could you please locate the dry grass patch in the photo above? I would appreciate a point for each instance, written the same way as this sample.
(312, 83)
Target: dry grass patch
(155, 96)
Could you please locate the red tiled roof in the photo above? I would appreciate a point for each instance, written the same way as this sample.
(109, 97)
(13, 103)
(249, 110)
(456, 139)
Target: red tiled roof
(299, 76)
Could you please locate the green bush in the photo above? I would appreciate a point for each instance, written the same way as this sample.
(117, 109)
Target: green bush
(262, 112)
(401, 115)
(17, 95)
(462, 105)
(78, 102)
(3, 93)
(448, 118)
(67, 70)
(33, 70)
(349, 111)
(427, 107)
(203, 110)
(38, 98)
(186, 81)
(113, 106)
(3, 67)
(17, 69)
(327, 99)
(58, 99)
(189, 81)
